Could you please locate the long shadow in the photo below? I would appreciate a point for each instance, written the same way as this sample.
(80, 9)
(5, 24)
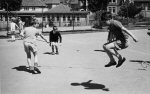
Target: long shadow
(49, 53)
(139, 61)
(89, 85)
(23, 68)
(4, 37)
(99, 50)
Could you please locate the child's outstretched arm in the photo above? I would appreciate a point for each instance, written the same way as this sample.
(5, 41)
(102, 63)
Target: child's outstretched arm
(129, 33)
(43, 37)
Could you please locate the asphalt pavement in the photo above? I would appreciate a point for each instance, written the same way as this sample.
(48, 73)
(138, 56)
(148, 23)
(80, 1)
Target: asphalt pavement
(78, 69)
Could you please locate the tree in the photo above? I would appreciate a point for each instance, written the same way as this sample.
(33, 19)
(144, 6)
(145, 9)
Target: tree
(84, 6)
(98, 7)
(10, 5)
(128, 9)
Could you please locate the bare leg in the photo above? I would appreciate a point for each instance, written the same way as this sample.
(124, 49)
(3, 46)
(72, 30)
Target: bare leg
(36, 62)
(29, 60)
(52, 48)
(118, 55)
(35, 59)
(109, 50)
(56, 49)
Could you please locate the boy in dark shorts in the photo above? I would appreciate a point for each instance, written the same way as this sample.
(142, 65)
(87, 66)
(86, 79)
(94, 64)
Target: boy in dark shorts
(54, 38)
(117, 40)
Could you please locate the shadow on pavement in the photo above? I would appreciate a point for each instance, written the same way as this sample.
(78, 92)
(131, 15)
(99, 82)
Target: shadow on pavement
(144, 64)
(139, 61)
(89, 85)
(4, 37)
(99, 50)
(49, 53)
(24, 68)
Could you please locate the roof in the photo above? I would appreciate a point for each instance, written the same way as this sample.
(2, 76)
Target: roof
(60, 9)
(33, 3)
(63, 9)
(70, 1)
(51, 1)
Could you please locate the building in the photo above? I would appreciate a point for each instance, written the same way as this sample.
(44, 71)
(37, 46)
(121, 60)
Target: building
(113, 6)
(61, 12)
(145, 4)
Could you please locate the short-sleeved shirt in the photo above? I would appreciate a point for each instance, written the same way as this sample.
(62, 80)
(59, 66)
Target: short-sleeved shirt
(30, 34)
(115, 28)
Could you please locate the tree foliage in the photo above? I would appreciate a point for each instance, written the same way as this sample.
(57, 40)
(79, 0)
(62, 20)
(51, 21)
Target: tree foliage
(12, 5)
(129, 9)
(97, 5)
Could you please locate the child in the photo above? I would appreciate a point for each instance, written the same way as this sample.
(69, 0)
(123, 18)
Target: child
(13, 26)
(30, 34)
(54, 37)
(117, 40)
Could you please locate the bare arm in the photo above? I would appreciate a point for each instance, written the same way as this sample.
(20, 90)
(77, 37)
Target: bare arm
(130, 34)
(41, 35)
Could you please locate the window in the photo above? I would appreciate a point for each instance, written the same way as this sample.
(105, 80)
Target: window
(78, 18)
(33, 8)
(64, 18)
(112, 1)
(26, 8)
(57, 18)
(109, 9)
(44, 19)
(73, 17)
(112, 9)
(68, 18)
(53, 18)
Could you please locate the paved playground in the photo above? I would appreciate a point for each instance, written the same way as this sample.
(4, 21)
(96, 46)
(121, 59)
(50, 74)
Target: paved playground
(78, 69)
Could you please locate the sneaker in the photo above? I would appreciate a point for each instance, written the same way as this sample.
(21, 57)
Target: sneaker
(52, 53)
(120, 62)
(31, 70)
(37, 70)
(57, 53)
(110, 64)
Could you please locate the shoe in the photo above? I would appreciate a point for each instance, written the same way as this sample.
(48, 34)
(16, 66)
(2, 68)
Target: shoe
(52, 53)
(120, 62)
(57, 53)
(31, 70)
(37, 70)
(110, 64)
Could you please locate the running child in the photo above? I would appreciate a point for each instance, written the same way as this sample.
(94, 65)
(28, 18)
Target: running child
(13, 27)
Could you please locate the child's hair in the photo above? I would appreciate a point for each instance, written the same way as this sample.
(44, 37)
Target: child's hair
(108, 16)
(54, 26)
